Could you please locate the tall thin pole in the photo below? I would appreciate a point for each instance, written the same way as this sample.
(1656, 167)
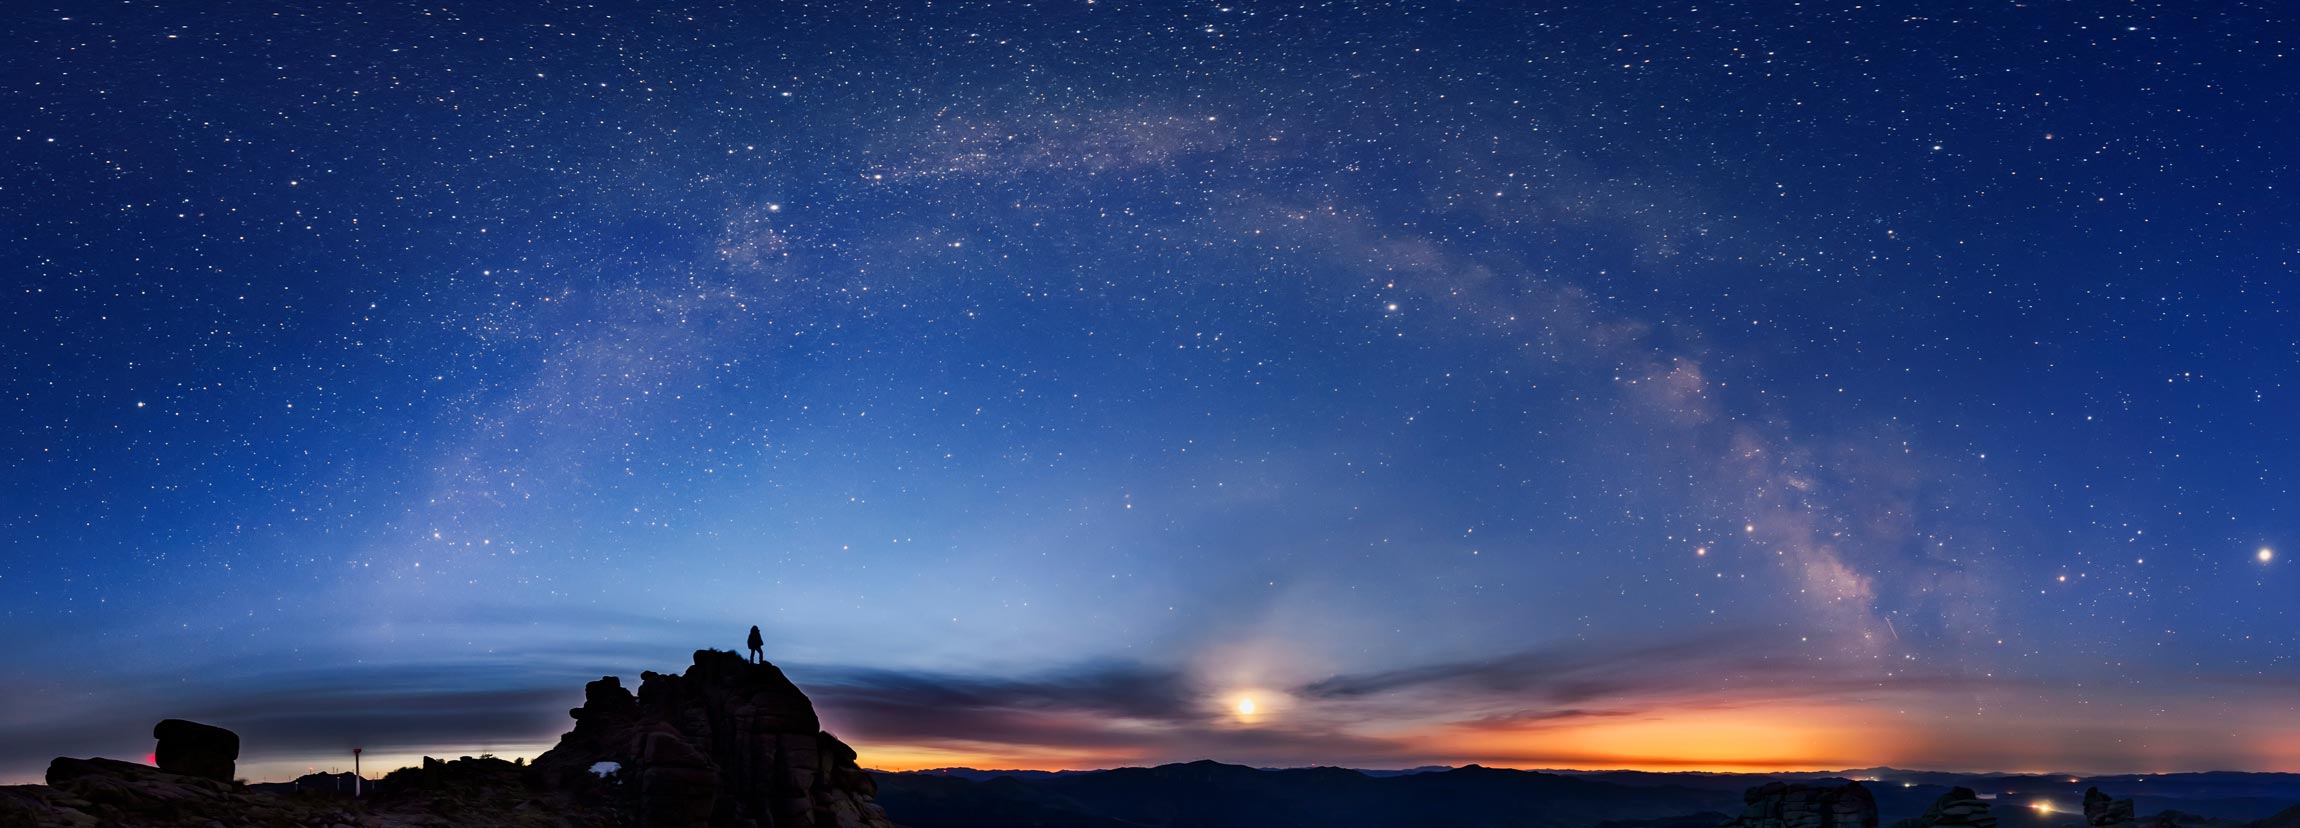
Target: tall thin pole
(356, 779)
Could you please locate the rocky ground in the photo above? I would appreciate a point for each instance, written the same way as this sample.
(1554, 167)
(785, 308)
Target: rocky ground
(727, 744)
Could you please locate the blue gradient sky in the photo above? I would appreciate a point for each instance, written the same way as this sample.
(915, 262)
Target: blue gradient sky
(1721, 386)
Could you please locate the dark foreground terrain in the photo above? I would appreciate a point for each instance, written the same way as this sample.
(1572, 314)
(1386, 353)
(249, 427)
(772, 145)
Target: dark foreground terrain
(1213, 795)
(732, 744)
(728, 743)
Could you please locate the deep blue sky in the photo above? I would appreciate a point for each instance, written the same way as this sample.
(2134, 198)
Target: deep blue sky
(1693, 385)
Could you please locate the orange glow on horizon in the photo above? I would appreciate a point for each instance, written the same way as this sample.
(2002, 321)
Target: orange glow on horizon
(1764, 738)
(1712, 740)
(1740, 741)
(912, 757)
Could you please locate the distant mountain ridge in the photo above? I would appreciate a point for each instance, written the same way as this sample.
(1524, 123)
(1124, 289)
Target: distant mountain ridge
(1213, 795)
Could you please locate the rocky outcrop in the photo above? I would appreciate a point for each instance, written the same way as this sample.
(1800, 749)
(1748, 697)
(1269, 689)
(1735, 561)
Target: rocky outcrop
(727, 744)
(106, 793)
(1959, 808)
(110, 792)
(2104, 811)
(195, 749)
(1779, 805)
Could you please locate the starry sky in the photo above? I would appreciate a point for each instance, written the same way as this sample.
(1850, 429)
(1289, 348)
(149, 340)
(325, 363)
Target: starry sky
(1676, 385)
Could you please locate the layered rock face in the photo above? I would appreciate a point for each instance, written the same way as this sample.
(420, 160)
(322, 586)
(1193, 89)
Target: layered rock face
(1779, 805)
(107, 793)
(728, 744)
(195, 749)
(1959, 808)
(2104, 811)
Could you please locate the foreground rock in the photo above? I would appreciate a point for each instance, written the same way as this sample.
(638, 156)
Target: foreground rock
(1779, 805)
(195, 749)
(728, 744)
(467, 793)
(1959, 808)
(2104, 811)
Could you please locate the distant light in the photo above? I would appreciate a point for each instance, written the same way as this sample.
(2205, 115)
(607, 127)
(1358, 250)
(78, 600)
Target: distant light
(1246, 707)
(2043, 807)
(2267, 554)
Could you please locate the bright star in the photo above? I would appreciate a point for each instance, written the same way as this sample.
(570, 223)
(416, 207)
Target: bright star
(2267, 554)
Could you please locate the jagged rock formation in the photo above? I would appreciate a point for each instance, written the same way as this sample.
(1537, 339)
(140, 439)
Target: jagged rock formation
(319, 784)
(1959, 808)
(2103, 811)
(1779, 805)
(728, 744)
(195, 749)
(106, 793)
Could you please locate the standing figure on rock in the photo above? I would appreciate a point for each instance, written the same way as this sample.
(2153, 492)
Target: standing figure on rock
(757, 654)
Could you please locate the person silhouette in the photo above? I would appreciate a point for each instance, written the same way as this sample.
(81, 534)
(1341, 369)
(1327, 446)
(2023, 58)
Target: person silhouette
(757, 655)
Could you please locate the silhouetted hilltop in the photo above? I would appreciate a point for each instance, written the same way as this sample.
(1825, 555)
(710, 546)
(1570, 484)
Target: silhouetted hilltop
(727, 744)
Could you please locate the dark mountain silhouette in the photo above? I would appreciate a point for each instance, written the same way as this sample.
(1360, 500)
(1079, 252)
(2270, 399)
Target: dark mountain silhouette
(1215, 795)
(1218, 795)
(727, 744)
(734, 744)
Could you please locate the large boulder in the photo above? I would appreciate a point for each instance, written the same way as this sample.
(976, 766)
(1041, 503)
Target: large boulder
(728, 744)
(1780, 805)
(1959, 808)
(195, 749)
(2104, 811)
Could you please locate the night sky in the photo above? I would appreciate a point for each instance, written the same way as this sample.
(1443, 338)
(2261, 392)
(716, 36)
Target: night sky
(1684, 386)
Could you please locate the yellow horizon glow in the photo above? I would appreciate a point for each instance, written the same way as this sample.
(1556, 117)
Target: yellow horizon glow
(1805, 736)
